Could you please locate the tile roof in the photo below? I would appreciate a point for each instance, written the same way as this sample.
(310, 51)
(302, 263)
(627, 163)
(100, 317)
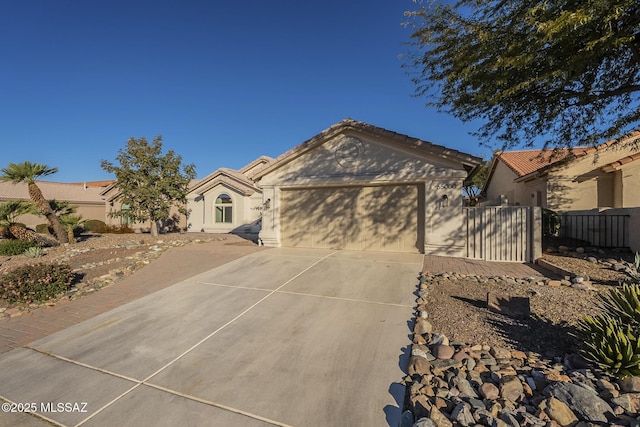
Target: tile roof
(621, 162)
(524, 162)
(74, 192)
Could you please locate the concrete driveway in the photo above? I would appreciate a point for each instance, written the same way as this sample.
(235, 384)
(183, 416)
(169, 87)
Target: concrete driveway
(287, 337)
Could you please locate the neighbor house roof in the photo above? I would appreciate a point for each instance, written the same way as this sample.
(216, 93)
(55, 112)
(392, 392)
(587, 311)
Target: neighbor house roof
(74, 192)
(621, 162)
(239, 181)
(528, 163)
(467, 160)
(525, 162)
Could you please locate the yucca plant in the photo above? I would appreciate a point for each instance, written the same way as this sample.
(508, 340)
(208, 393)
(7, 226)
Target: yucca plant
(624, 304)
(612, 338)
(611, 345)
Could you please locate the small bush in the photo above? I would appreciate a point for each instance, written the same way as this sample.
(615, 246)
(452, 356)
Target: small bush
(38, 282)
(44, 229)
(15, 247)
(119, 229)
(95, 226)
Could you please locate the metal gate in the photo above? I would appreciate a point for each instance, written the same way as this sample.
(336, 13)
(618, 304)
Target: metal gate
(503, 233)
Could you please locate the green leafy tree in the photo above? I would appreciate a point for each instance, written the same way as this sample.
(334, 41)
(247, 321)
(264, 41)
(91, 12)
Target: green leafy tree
(149, 182)
(564, 71)
(29, 172)
(472, 187)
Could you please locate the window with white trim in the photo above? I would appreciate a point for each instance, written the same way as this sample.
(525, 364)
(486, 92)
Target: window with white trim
(224, 209)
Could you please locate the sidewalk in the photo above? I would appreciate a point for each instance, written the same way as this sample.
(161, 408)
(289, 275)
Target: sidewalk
(175, 265)
(443, 264)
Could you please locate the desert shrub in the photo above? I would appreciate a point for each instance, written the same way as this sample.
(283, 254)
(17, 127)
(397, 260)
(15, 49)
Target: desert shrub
(95, 226)
(612, 338)
(37, 282)
(119, 229)
(15, 247)
(44, 229)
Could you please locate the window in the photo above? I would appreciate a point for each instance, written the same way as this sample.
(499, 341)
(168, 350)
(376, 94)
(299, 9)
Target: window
(224, 209)
(125, 219)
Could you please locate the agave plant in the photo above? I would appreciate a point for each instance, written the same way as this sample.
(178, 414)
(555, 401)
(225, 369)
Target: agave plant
(33, 252)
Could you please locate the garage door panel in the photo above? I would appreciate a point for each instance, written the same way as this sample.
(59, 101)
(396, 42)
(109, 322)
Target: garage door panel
(381, 218)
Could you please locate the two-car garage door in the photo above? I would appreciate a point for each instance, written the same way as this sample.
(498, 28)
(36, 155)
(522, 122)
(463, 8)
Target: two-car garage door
(376, 218)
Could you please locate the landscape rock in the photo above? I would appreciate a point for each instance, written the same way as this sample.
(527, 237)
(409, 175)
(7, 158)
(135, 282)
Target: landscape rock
(442, 351)
(630, 402)
(422, 326)
(559, 412)
(584, 402)
(424, 422)
(419, 366)
(516, 307)
(489, 391)
(630, 384)
(511, 388)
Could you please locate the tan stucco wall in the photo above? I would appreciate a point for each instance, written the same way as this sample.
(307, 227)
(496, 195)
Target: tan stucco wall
(502, 184)
(374, 162)
(516, 193)
(565, 194)
(582, 184)
(87, 210)
(630, 176)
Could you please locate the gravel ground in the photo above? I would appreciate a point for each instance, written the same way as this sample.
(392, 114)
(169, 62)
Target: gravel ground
(596, 272)
(458, 308)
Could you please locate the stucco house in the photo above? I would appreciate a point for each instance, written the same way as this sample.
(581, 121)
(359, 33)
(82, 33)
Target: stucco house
(606, 176)
(227, 200)
(353, 186)
(86, 195)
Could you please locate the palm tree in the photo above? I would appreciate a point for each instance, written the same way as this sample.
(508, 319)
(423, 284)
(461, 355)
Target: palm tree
(28, 172)
(10, 211)
(71, 222)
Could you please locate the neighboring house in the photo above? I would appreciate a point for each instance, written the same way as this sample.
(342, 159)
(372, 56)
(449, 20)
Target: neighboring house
(607, 176)
(86, 195)
(112, 204)
(357, 186)
(227, 200)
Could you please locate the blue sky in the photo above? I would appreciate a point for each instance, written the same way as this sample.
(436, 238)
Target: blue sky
(222, 81)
